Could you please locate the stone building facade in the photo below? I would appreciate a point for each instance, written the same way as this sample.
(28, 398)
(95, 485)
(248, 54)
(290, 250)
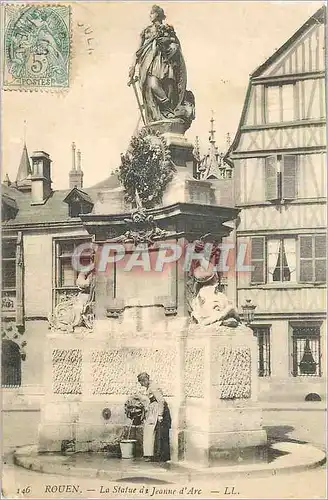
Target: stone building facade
(40, 229)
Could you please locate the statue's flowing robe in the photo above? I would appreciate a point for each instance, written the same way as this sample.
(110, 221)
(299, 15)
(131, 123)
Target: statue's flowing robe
(171, 72)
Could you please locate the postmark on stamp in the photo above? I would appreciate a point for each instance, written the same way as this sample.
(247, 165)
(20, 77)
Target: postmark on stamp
(37, 47)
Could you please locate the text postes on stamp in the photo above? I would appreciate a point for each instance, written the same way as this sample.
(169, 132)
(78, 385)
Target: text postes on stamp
(37, 47)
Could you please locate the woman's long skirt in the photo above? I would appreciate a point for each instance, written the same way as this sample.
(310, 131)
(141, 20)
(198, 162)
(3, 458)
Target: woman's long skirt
(149, 429)
(156, 437)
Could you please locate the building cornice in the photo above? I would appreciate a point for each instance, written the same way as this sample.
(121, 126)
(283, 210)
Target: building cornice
(299, 201)
(257, 153)
(293, 231)
(36, 226)
(279, 125)
(283, 286)
(293, 316)
(293, 77)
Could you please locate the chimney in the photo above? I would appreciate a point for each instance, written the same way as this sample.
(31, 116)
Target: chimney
(79, 168)
(41, 177)
(76, 174)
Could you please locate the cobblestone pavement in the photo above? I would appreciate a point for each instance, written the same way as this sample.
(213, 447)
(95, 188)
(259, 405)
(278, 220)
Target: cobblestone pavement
(299, 425)
(308, 426)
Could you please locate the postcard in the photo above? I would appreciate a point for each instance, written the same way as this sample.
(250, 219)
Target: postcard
(163, 253)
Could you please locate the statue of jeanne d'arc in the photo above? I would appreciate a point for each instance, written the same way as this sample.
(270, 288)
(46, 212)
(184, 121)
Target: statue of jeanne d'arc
(162, 72)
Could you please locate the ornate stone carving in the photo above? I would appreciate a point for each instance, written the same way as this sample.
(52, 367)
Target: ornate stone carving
(67, 371)
(75, 310)
(142, 229)
(19, 281)
(110, 234)
(235, 372)
(9, 331)
(114, 312)
(193, 283)
(194, 372)
(210, 307)
(115, 371)
(68, 446)
(191, 292)
(106, 413)
(170, 310)
(8, 301)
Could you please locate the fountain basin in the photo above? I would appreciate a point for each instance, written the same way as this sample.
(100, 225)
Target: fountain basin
(290, 456)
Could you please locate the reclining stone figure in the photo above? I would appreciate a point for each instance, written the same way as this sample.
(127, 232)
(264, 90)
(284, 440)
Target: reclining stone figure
(210, 305)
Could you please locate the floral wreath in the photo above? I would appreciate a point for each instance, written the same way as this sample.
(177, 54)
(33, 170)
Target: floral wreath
(146, 167)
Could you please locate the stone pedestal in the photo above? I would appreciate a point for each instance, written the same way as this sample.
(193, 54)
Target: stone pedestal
(223, 422)
(90, 371)
(208, 376)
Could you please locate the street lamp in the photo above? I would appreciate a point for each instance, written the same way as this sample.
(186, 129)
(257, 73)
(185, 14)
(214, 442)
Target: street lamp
(248, 311)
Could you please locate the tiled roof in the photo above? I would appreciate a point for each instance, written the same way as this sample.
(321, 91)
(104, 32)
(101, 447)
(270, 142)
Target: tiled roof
(55, 209)
(110, 182)
(9, 200)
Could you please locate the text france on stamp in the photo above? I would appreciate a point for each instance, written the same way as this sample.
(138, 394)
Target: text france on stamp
(37, 47)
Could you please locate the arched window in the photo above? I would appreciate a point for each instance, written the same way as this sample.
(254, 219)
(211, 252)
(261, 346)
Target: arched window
(11, 373)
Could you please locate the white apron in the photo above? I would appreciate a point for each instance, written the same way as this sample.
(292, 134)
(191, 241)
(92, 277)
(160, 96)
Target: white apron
(149, 429)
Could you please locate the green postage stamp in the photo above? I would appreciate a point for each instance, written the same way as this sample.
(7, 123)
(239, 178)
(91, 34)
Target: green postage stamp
(37, 46)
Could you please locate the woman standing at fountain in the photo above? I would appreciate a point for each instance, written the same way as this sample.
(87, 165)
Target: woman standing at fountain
(156, 440)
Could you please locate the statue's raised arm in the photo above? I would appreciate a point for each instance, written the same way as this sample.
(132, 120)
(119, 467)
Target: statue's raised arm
(162, 73)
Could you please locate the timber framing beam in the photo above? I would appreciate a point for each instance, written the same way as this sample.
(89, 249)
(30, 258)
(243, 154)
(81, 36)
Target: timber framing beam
(273, 126)
(287, 78)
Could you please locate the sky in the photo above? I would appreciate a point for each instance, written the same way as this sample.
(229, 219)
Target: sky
(222, 43)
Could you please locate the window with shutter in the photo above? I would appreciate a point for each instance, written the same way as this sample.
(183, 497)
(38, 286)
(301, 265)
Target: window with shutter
(306, 252)
(320, 257)
(258, 259)
(271, 178)
(312, 258)
(289, 175)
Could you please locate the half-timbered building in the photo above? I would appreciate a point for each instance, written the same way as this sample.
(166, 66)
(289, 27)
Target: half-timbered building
(279, 156)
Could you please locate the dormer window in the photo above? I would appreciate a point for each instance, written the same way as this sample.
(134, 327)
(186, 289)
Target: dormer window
(78, 207)
(78, 202)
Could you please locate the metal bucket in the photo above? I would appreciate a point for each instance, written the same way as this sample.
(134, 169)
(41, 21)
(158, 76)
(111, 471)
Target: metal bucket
(128, 448)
